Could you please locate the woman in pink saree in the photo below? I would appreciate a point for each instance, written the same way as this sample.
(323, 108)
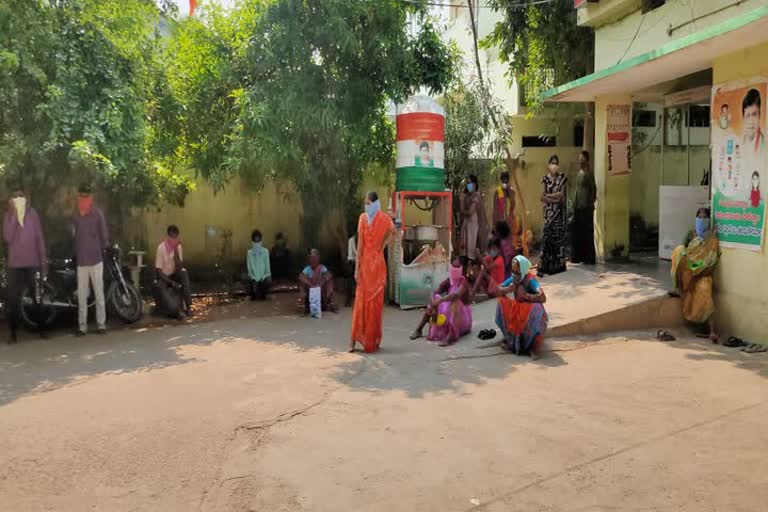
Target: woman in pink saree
(450, 313)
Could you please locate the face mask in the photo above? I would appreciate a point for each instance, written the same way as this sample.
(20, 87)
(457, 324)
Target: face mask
(20, 204)
(84, 205)
(505, 186)
(372, 209)
(455, 274)
(494, 253)
(702, 226)
(470, 187)
(552, 167)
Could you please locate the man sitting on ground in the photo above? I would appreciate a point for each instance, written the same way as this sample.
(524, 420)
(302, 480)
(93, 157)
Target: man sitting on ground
(171, 286)
(316, 275)
(259, 271)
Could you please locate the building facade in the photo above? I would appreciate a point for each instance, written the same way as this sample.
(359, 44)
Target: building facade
(680, 113)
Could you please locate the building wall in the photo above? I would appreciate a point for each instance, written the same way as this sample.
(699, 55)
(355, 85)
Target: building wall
(742, 276)
(621, 40)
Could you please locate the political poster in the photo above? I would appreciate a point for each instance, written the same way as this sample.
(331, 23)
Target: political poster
(739, 159)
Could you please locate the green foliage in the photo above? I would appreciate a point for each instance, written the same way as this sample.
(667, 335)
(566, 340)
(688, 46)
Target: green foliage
(542, 45)
(80, 87)
(297, 91)
(472, 138)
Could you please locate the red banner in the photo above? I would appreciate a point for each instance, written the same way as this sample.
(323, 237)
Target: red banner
(421, 126)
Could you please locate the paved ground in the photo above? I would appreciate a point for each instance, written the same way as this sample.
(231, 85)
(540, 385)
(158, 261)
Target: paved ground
(268, 415)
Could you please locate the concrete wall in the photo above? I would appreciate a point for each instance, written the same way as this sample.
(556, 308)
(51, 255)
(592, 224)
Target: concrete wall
(617, 41)
(742, 276)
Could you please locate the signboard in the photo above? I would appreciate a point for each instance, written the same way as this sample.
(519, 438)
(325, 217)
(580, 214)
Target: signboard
(739, 163)
(619, 138)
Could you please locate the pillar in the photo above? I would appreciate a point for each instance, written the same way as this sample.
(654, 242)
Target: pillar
(612, 209)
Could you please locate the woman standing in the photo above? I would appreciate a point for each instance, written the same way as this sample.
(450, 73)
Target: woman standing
(553, 197)
(374, 231)
(470, 209)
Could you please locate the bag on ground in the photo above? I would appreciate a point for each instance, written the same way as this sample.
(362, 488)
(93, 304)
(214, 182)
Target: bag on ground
(315, 302)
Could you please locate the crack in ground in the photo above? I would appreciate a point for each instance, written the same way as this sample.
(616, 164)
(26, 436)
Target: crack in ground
(575, 467)
(263, 425)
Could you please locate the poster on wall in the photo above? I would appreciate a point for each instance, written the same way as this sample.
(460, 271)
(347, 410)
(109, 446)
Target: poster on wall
(619, 139)
(739, 161)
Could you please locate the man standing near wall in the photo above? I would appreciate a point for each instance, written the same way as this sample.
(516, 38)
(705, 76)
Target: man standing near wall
(91, 239)
(583, 228)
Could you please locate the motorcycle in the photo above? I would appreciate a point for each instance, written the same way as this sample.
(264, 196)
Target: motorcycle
(42, 302)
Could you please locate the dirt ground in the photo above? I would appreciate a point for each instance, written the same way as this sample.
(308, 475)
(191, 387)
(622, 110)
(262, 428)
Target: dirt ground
(269, 414)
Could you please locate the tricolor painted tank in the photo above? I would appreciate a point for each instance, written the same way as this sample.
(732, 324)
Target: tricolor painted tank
(420, 152)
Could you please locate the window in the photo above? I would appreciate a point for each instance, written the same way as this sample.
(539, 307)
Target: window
(539, 141)
(644, 118)
(699, 116)
(578, 133)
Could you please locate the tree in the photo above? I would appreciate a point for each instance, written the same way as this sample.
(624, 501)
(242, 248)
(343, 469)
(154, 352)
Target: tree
(80, 89)
(301, 94)
(542, 44)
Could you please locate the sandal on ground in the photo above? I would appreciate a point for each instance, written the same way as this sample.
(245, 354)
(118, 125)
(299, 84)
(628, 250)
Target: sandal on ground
(486, 334)
(754, 348)
(733, 341)
(663, 335)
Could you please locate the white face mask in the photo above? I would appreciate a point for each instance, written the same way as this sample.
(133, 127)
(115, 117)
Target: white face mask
(20, 203)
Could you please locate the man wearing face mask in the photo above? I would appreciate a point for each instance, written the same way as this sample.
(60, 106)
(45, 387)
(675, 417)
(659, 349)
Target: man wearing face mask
(259, 271)
(26, 253)
(91, 239)
(170, 276)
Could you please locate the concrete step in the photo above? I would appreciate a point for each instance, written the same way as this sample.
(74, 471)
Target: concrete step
(653, 313)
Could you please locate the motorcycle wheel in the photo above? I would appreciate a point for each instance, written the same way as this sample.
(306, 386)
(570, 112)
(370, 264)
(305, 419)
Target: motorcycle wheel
(128, 306)
(27, 308)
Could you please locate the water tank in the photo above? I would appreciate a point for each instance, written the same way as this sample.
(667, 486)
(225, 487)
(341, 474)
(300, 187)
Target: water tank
(420, 160)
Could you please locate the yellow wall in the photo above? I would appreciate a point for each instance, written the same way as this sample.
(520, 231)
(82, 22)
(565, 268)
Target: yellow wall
(742, 276)
(613, 197)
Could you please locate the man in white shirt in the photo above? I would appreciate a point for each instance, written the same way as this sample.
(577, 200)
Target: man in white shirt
(351, 263)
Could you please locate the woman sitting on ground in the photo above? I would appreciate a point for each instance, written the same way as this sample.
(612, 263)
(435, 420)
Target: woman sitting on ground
(692, 267)
(492, 274)
(450, 313)
(523, 319)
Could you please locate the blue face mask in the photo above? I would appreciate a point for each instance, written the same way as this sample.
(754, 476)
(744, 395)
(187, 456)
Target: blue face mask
(702, 226)
(493, 253)
(372, 209)
(470, 187)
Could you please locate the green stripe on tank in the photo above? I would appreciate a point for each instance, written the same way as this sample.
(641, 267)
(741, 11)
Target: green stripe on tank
(420, 179)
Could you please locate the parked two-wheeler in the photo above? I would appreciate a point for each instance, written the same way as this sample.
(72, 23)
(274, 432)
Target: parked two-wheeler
(42, 302)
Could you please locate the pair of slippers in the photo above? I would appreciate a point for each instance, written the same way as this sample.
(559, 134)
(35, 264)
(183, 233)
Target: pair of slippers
(663, 335)
(754, 348)
(486, 334)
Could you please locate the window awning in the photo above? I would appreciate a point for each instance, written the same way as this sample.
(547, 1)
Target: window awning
(678, 58)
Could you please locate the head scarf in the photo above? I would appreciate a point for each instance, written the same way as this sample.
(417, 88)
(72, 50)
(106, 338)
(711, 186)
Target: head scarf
(20, 204)
(525, 265)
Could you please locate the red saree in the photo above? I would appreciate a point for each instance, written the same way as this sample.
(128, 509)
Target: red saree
(372, 278)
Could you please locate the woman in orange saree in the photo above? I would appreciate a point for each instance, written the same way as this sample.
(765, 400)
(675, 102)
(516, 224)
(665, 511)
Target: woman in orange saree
(374, 231)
